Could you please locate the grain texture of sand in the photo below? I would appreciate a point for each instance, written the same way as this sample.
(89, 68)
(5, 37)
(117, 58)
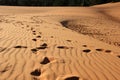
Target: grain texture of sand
(60, 43)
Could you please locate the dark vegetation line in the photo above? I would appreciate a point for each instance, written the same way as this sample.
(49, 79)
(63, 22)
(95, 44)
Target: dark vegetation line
(54, 2)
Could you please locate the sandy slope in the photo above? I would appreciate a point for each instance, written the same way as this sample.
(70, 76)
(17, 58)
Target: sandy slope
(35, 46)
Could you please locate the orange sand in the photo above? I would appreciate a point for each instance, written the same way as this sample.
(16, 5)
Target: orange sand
(36, 45)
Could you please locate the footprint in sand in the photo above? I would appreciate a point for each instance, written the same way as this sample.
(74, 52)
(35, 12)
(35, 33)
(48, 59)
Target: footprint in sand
(34, 39)
(43, 46)
(5, 69)
(32, 28)
(27, 25)
(72, 78)
(108, 51)
(34, 33)
(62, 47)
(36, 72)
(34, 78)
(34, 50)
(84, 45)
(118, 56)
(45, 60)
(38, 36)
(87, 50)
(20, 46)
(68, 40)
(99, 49)
(52, 37)
(40, 32)
(68, 77)
(2, 49)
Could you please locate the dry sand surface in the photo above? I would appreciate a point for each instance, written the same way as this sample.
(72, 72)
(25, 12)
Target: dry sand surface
(36, 45)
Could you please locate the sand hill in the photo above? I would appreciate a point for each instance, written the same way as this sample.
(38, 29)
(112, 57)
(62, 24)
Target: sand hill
(60, 43)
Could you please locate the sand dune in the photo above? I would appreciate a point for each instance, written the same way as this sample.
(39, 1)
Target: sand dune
(36, 45)
(104, 26)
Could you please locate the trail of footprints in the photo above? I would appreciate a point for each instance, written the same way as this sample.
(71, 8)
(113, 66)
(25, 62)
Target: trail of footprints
(46, 60)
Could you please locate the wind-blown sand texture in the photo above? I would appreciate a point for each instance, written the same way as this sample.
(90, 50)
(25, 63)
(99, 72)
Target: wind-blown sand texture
(36, 45)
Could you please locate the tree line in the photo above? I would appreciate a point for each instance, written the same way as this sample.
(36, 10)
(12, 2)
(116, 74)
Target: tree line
(54, 2)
